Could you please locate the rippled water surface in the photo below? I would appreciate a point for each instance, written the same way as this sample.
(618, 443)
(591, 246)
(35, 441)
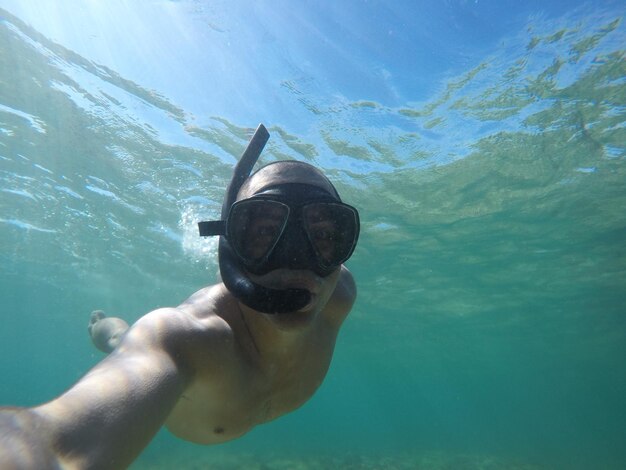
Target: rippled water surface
(483, 144)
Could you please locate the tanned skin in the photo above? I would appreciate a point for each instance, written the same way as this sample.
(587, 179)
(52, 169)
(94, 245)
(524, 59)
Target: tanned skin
(210, 370)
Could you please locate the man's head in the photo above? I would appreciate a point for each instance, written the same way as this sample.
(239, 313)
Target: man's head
(289, 216)
(278, 224)
(291, 230)
(289, 171)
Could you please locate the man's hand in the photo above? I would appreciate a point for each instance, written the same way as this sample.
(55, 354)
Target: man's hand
(106, 332)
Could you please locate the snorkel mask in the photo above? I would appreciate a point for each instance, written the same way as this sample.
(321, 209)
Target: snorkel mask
(287, 225)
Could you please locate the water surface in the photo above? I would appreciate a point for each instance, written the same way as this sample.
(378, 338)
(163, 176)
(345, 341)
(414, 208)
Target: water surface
(483, 145)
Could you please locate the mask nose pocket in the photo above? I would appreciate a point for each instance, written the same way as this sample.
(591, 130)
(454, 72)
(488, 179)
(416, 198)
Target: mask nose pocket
(294, 250)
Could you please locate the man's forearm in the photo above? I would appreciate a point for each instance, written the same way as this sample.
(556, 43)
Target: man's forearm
(110, 415)
(25, 441)
(106, 419)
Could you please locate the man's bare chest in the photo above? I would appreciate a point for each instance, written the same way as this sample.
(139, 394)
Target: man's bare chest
(250, 392)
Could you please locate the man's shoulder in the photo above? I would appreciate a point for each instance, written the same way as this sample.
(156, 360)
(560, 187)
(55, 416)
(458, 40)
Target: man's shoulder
(345, 292)
(199, 318)
(343, 297)
(207, 301)
(346, 282)
(195, 329)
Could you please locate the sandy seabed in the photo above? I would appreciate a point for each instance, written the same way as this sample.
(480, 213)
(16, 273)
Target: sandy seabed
(430, 461)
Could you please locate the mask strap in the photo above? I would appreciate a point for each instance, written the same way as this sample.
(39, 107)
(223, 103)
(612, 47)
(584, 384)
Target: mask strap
(212, 227)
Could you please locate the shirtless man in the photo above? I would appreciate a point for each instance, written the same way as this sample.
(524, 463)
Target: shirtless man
(233, 355)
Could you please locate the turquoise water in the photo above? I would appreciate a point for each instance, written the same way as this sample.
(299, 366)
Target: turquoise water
(488, 165)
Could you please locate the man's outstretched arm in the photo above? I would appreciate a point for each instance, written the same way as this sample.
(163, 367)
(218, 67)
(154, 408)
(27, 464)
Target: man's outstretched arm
(25, 441)
(110, 415)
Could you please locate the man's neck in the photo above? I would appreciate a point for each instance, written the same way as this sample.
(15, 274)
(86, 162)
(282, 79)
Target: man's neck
(273, 338)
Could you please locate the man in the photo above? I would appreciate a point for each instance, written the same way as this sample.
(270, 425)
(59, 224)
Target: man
(233, 355)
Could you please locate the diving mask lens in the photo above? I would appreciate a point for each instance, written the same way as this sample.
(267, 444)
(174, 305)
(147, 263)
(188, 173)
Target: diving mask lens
(254, 228)
(332, 229)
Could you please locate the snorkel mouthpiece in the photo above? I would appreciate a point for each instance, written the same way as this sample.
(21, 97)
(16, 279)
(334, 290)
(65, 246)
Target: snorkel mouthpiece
(255, 296)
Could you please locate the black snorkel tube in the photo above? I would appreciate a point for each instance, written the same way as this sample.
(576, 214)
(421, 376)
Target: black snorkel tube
(255, 296)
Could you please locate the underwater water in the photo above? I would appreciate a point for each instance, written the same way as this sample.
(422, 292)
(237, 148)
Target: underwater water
(483, 143)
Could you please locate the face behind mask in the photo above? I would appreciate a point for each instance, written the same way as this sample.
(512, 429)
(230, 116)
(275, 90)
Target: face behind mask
(303, 236)
(293, 226)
